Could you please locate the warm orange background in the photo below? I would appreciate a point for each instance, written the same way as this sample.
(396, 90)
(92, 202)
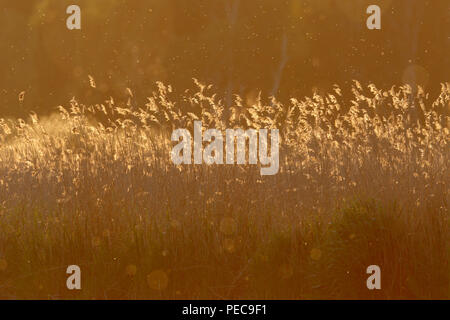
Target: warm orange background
(286, 48)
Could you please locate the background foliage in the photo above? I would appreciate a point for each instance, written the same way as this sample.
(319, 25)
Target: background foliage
(286, 48)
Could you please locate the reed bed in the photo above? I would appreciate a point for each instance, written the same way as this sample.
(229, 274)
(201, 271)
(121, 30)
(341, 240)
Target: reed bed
(364, 179)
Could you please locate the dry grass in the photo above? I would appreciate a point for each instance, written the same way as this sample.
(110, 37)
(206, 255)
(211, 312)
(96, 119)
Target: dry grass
(361, 182)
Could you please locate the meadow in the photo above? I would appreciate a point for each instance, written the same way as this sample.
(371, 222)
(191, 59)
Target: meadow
(364, 180)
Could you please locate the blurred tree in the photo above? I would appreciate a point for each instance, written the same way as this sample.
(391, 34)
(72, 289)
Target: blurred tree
(282, 48)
